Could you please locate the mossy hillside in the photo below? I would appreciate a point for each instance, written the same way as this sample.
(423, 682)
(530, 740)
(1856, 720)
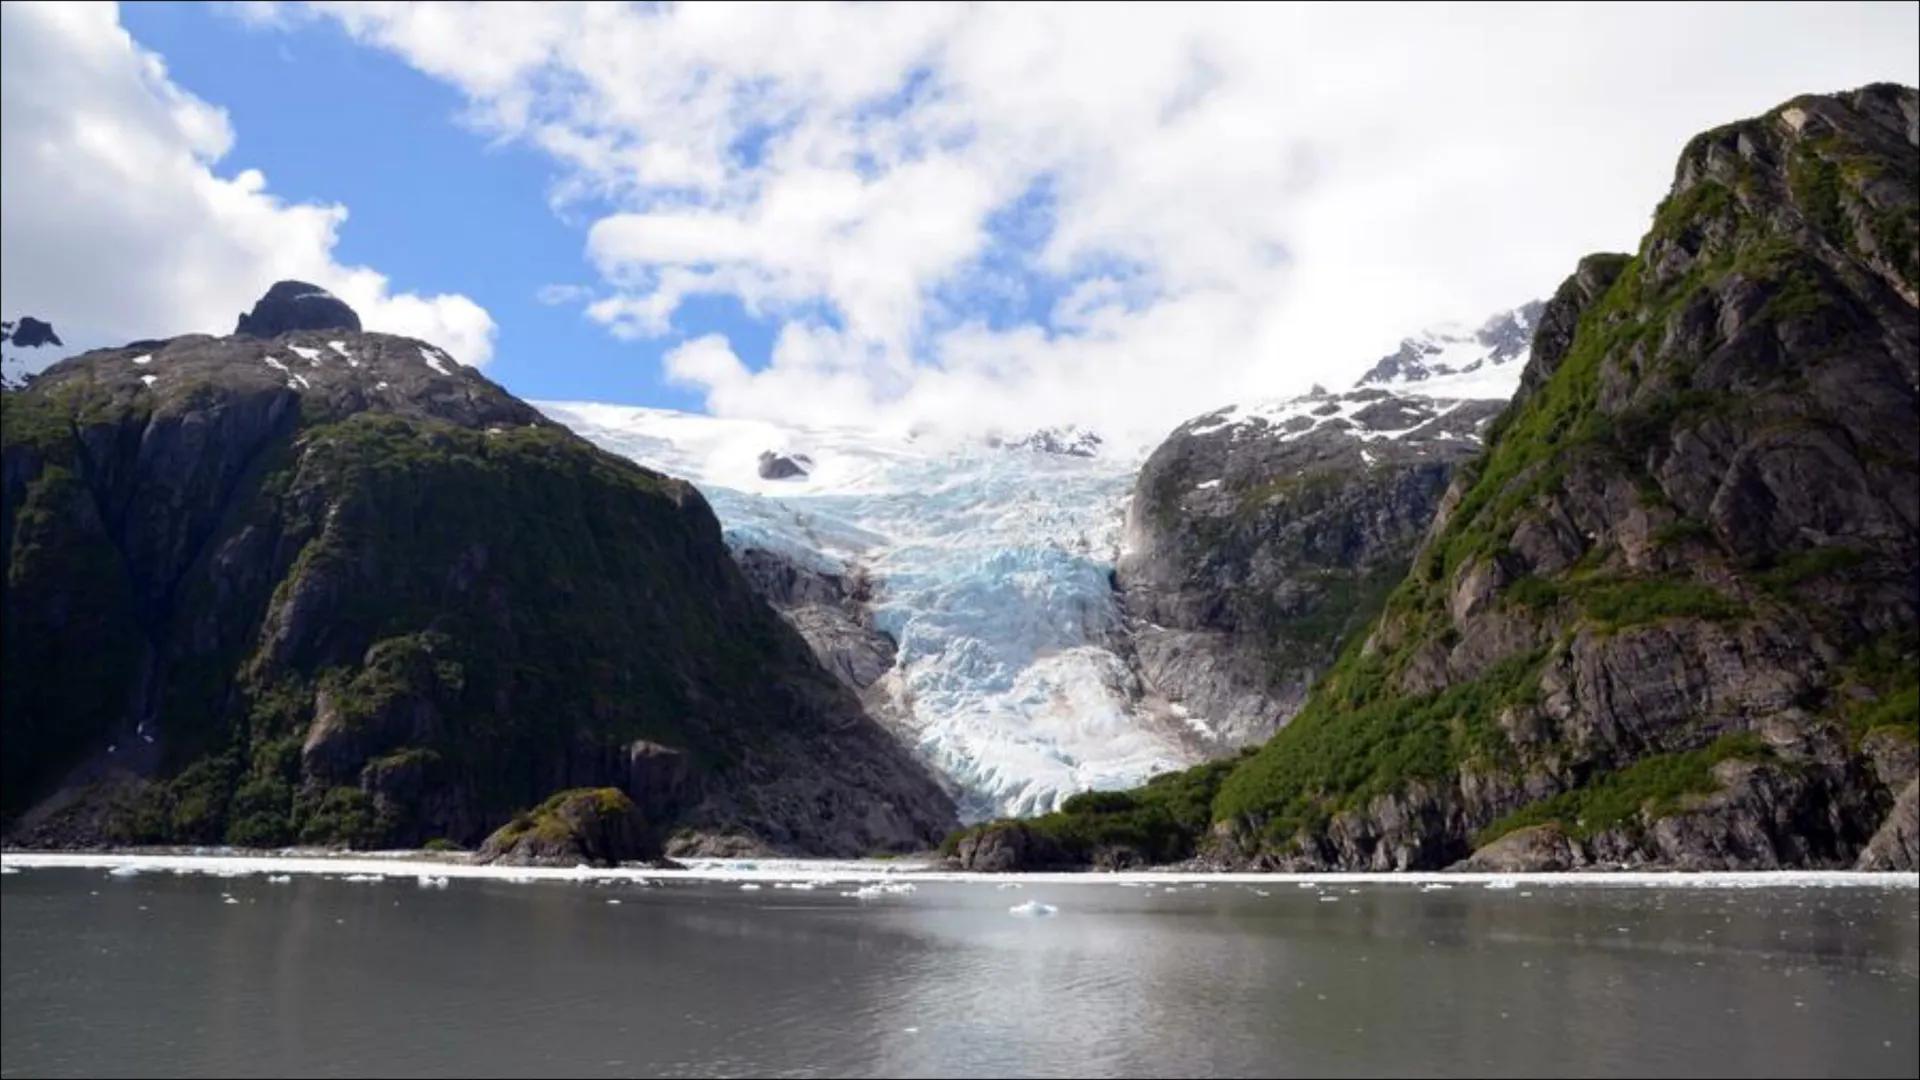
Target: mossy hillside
(1159, 822)
(534, 602)
(74, 647)
(1652, 787)
(415, 531)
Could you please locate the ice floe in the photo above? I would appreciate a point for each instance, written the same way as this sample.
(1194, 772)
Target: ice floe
(1032, 908)
(897, 876)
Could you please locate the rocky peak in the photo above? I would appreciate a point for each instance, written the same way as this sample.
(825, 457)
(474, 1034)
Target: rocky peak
(783, 466)
(1068, 439)
(29, 333)
(1440, 352)
(297, 305)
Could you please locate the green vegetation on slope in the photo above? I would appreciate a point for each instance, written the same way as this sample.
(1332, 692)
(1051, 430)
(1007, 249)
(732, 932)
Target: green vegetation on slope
(1657, 785)
(1160, 822)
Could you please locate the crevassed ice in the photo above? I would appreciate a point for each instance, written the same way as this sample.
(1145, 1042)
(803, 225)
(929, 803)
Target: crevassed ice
(991, 568)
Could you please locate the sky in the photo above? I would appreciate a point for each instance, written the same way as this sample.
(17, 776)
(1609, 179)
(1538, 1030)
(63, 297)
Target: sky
(901, 216)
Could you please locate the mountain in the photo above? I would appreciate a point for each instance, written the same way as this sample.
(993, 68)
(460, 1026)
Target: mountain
(1449, 352)
(962, 587)
(1668, 616)
(1258, 539)
(308, 583)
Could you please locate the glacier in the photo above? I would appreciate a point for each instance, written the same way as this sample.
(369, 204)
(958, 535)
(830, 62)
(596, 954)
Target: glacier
(990, 563)
(990, 567)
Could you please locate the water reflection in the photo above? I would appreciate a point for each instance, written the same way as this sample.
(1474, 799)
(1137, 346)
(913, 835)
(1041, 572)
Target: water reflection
(158, 974)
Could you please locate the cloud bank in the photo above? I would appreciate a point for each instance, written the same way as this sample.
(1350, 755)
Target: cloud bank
(117, 224)
(1118, 215)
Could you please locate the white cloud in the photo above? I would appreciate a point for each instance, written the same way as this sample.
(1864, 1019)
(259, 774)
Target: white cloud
(1226, 201)
(116, 224)
(562, 293)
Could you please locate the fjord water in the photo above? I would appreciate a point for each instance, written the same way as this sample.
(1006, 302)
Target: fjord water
(160, 974)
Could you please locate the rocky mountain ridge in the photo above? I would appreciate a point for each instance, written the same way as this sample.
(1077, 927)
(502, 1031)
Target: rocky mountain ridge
(333, 586)
(1667, 617)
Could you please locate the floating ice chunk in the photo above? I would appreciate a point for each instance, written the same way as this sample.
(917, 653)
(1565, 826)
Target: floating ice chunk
(1500, 884)
(1008, 885)
(229, 900)
(431, 881)
(124, 871)
(279, 879)
(879, 889)
(1435, 886)
(143, 358)
(803, 886)
(364, 877)
(1329, 899)
(614, 900)
(1261, 892)
(1032, 908)
(749, 887)
(9, 870)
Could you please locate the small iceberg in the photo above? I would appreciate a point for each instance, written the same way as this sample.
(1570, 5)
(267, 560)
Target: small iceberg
(749, 887)
(879, 889)
(1032, 909)
(1501, 884)
(430, 881)
(279, 879)
(124, 871)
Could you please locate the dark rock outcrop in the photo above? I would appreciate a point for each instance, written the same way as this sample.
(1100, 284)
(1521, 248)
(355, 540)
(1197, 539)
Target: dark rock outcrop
(30, 333)
(331, 587)
(782, 466)
(296, 305)
(594, 826)
(1007, 847)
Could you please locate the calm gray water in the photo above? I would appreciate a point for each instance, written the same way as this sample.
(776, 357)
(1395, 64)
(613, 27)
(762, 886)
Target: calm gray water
(157, 974)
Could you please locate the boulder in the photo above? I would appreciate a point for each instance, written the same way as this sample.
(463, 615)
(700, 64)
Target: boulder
(296, 305)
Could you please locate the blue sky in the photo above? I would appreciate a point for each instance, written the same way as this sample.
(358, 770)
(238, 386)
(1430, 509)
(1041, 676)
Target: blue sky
(903, 215)
(434, 205)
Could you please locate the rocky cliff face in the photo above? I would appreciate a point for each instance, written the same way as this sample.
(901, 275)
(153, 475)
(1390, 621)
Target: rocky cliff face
(1668, 616)
(332, 586)
(1258, 539)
